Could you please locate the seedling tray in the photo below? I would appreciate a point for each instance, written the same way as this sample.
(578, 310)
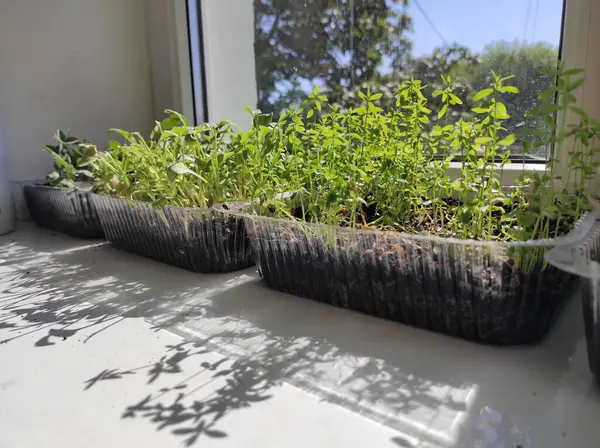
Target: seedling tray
(469, 289)
(63, 210)
(200, 240)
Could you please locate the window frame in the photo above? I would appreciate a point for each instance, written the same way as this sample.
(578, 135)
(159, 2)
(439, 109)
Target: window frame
(228, 80)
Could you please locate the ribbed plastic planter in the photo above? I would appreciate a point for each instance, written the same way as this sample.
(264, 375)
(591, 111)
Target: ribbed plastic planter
(201, 240)
(470, 289)
(63, 210)
(584, 260)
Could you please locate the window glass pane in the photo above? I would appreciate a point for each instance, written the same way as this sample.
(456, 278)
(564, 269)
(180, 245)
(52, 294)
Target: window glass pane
(346, 45)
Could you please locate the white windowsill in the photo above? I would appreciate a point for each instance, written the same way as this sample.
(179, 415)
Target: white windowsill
(509, 175)
(215, 341)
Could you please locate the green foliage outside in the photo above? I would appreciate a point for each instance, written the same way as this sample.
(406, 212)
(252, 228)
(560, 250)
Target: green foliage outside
(350, 46)
(533, 67)
(307, 39)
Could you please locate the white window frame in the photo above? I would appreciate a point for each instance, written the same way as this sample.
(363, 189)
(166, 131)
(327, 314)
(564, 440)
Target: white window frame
(230, 78)
(168, 45)
(229, 60)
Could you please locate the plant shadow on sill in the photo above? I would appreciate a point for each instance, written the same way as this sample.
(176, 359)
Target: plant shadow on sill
(39, 242)
(412, 380)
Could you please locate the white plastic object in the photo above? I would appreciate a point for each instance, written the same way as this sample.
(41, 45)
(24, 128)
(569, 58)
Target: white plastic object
(581, 258)
(7, 212)
(575, 257)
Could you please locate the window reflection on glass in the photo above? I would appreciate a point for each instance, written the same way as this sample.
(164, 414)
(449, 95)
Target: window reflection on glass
(347, 45)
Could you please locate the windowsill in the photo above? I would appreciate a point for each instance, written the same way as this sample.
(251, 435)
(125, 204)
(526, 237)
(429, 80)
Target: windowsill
(510, 172)
(107, 324)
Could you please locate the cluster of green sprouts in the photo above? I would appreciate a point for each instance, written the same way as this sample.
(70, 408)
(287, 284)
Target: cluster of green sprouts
(71, 156)
(389, 169)
(366, 167)
(182, 165)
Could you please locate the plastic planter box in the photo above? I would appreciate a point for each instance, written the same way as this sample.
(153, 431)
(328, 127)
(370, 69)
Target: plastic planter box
(470, 289)
(201, 240)
(583, 259)
(63, 210)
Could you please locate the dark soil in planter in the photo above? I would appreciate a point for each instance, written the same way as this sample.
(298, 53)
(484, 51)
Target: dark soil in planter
(468, 291)
(63, 210)
(201, 240)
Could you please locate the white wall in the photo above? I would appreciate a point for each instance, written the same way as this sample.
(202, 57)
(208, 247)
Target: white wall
(77, 64)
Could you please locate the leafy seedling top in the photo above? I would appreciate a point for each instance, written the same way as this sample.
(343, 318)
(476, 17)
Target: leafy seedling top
(71, 157)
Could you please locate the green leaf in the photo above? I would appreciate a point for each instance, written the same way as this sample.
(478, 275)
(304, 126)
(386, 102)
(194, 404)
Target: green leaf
(483, 140)
(480, 110)
(310, 113)
(168, 123)
(50, 149)
(457, 185)
(66, 183)
(465, 215)
(579, 111)
(61, 136)
(177, 131)
(120, 187)
(160, 203)
(331, 198)
(483, 94)
(177, 118)
(550, 211)
(126, 135)
(53, 175)
(575, 84)
(443, 111)
(375, 96)
(454, 99)
(60, 161)
(526, 218)
(499, 111)
(178, 169)
(508, 140)
(510, 89)
(573, 71)
(85, 173)
(262, 119)
(70, 140)
(114, 145)
(89, 155)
